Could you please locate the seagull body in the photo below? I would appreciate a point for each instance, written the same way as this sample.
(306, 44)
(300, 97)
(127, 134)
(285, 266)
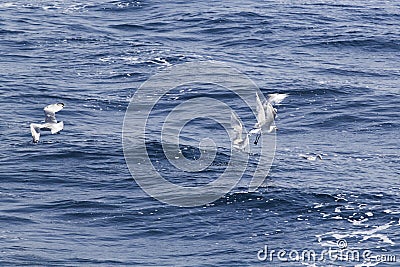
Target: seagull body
(238, 140)
(266, 115)
(50, 124)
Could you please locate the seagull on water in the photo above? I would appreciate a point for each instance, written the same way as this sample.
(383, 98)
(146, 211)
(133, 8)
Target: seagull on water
(50, 124)
(266, 114)
(240, 138)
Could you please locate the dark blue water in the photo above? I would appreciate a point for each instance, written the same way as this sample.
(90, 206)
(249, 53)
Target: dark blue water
(71, 200)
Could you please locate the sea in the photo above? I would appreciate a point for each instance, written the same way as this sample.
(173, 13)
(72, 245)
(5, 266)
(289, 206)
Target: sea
(74, 199)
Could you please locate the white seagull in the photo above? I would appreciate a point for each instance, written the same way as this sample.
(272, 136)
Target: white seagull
(238, 140)
(266, 114)
(50, 124)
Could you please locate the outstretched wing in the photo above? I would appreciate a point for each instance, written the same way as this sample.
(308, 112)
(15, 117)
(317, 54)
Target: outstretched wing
(237, 127)
(50, 112)
(260, 113)
(276, 98)
(269, 115)
(238, 141)
(35, 131)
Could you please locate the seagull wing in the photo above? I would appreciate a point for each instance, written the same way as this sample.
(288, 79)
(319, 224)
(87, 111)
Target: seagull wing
(276, 98)
(237, 128)
(50, 112)
(35, 131)
(246, 144)
(269, 115)
(238, 141)
(260, 113)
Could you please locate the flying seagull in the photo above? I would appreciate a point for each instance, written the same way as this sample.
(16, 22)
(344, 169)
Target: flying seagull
(50, 124)
(239, 141)
(311, 157)
(266, 114)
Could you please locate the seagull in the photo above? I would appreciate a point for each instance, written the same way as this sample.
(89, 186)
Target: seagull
(310, 157)
(50, 124)
(266, 114)
(238, 141)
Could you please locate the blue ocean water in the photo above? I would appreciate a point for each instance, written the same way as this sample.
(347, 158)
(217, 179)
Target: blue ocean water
(71, 200)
